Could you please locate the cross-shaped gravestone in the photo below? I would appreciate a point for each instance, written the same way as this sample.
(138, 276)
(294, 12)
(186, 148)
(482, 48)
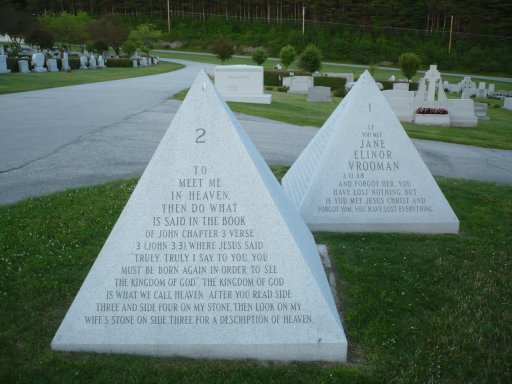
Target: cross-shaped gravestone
(432, 76)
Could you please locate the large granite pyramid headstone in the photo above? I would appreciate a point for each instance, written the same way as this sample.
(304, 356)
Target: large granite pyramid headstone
(209, 258)
(361, 173)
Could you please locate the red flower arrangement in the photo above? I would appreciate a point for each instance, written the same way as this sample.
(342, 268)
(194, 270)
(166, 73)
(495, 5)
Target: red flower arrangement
(431, 111)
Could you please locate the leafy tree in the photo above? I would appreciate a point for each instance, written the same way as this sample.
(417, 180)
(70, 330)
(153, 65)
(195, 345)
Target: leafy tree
(128, 47)
(144, 37)
(311, 59)
(68, 29)
(409, 63)
(223, 48)
(15, 23)
(109, 31)
(287, 55)
(41, 37)
(259, 56)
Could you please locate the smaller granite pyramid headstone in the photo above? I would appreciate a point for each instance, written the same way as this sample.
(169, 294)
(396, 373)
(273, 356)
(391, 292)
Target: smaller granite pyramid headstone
(361, 173)
(209, 258)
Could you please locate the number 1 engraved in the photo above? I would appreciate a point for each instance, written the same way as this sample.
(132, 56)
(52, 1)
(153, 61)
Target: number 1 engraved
(369, 107)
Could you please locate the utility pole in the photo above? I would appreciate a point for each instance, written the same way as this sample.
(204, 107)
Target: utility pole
(168, 18)
(451, 29)
(303, 17)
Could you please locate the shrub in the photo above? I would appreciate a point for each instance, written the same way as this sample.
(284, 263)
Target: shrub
(223, 48)
(333, 82)
(409, 63)
(128, 48)
(259, 56)
(119, 63)
(74, 63)
(12, 64)
(339, 92)
(287, 55)
(282, 89)
(311, 59)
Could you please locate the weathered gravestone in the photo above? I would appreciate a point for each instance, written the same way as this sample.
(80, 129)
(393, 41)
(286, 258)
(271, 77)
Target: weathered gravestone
(23, 66)
(101, 62)
(208, 259)
(3, 64)
(65, 62)
(319, 94)
(38, 62)
(83, 62)
(361, 173)
(92, 61)
(241, 83)
(507, 103)
(300, 84)
(135, 63)
(51, 64)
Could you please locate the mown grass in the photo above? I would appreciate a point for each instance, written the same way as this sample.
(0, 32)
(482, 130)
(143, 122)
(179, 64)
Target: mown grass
(293, 109)
(23, 82)
(416, 308)
(381, 73)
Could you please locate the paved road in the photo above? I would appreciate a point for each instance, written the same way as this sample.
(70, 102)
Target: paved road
(88, 134)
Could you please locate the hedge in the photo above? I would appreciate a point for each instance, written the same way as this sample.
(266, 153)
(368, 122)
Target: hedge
(271, 77)
(116, 63)
(333, 82)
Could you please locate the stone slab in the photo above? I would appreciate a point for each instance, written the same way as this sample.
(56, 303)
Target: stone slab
(361, 173)
(192, 267)
(319, 94)
(241, 83)
(300, 84)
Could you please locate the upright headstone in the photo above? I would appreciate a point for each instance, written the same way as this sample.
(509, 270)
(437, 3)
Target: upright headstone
(144, 61)
(490, 89)
(101, 62)
(135, 63)
(2, 52)
(65, 62)
(3, 64)
(432, 76)
(420, 94)
(319, 95)
(301, 84)
(192, 267)
(361, 173)
(241, 83)
(51, 64)
(507, 103)
(481, 91)
(92, 61)
(38, 62)
(23, 66)
(401, 87)
(83, 62)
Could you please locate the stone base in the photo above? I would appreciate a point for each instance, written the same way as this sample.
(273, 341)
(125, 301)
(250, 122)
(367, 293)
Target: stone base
(39, 70)
(6, 71)
(252, 99)
(437, 120)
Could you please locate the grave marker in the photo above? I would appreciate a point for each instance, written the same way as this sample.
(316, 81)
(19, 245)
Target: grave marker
(208, 259)
(241, 83)
(3, 64)
(361, 173)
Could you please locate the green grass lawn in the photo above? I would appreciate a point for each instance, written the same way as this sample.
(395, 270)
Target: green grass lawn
(380, 74)
(293, 109)
(416, 308)
(22, 82)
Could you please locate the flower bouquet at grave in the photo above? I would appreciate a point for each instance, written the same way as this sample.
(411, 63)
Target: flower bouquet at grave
(431, 111)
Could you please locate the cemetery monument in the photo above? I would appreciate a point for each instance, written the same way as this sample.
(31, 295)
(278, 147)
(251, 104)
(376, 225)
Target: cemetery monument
(209, 259)
(241, 83)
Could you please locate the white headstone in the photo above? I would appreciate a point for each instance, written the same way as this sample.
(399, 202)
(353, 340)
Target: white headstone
(241, 83)
(393, 78)
(3, 64)
(38, 62)
(432, 76)
(301, 84)
(361, 173)
(319, 94)
(92, 62)
(65, 62)
(101, 62)
(441, 96)
(420, 94)
(83, 62)
(135, 63)
(507, 103)
(2, 52)
(193, 267)
(144, 61)
(23, 66)
(466, 93)
(490, 90)
(401, 86)
(51, 64)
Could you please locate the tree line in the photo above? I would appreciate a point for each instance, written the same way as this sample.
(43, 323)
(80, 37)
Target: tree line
(490, 17)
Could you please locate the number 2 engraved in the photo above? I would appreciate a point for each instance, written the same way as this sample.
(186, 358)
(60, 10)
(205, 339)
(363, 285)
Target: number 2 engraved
(200, 138)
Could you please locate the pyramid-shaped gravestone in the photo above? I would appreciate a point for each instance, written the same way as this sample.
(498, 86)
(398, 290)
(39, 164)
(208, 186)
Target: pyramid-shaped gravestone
(209, 258)
(361, 173)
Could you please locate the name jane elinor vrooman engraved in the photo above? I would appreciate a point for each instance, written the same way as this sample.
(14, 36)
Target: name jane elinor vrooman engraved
(192, 267)
(361, 173)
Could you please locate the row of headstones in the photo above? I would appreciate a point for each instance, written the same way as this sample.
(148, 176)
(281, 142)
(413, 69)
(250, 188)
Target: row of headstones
(145, 61)
(468, 88)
